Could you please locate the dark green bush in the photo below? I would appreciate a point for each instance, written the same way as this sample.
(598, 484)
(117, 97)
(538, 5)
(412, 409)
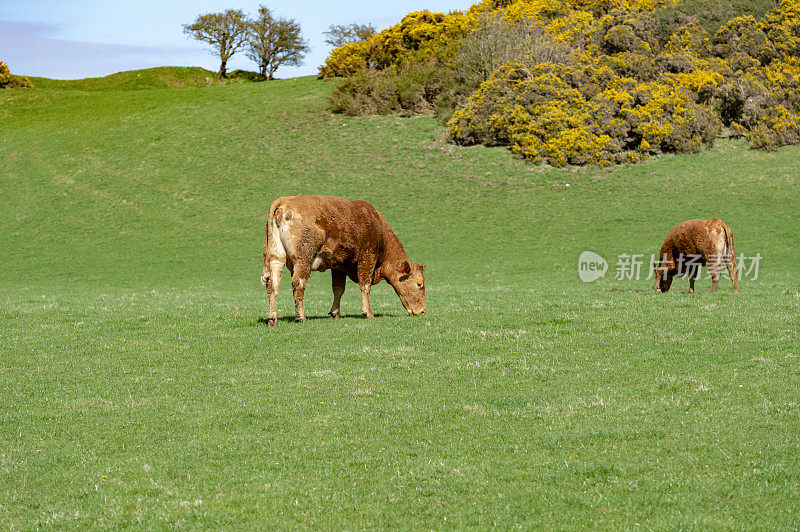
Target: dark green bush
(367, 92)
(427, 88)
(708, 14)
(246, 75)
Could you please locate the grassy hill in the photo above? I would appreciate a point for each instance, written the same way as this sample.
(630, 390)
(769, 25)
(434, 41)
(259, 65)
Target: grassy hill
(150, 78)
(141, 386)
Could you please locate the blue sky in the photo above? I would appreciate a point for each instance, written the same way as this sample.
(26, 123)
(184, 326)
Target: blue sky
(89, 38)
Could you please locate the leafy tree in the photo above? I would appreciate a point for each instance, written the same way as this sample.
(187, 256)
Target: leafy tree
(226, 32)
(339, 35)
(273, 42)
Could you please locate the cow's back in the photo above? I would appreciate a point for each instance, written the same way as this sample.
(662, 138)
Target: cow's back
(700, 237)
(334, 230)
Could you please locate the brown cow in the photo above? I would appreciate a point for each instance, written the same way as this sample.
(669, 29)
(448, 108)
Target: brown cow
(351, 238)
(692, 244)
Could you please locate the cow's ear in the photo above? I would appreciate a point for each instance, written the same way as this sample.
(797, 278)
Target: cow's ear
(421, 267)
(406, 268)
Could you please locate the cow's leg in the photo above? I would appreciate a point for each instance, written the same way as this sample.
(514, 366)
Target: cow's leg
(365, 273)
(730, 262)
(714, 267)
(692, 277)
(366, 312)
(299, 278)
(275, 272)
(339, 280)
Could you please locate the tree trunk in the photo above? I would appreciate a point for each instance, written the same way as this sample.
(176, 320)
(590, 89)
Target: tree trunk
(222, 72)
(263, 69)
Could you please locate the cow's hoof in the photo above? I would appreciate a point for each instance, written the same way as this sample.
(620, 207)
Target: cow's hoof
(365, 315)
(301, 319)
(691, 290)
(272, 322)
(334, 315)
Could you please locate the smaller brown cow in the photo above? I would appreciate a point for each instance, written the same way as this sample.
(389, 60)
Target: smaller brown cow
(350, 238)
(693, 244)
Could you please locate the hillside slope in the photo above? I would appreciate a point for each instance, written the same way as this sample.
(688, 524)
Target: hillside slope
(142, 388)
(149, 78)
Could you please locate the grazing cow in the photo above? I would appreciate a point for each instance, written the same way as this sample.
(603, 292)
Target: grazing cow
(350, 238)
(692, 244)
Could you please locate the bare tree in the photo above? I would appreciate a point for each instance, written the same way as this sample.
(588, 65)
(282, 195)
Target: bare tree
(273, 42)
(339, 35)
(226, 32)
(498, 41)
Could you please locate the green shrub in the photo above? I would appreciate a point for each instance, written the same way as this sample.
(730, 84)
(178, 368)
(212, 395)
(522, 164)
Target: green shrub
(428, 88)
(707, 14)
(246, 75)
(366, 92)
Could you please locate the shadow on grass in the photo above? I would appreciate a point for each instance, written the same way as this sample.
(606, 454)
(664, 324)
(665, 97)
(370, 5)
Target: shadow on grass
(612, 290)
(290, 319)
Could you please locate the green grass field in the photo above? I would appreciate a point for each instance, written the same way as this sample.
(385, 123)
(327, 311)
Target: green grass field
(141, 387)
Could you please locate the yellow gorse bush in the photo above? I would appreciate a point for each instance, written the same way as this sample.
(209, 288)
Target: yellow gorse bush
(7, 80)
(5, 74)
(626, 92)
(419, 36)
(546, 118)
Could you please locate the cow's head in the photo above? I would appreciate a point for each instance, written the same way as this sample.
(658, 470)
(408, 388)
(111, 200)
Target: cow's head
(663, 276)
(408, 281)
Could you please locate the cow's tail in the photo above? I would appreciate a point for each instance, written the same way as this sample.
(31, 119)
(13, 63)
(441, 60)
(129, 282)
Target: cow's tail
(728, 240)
(274, 218)
(730, 256)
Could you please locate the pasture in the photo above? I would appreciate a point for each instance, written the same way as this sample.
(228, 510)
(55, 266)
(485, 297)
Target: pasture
(141, 387)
